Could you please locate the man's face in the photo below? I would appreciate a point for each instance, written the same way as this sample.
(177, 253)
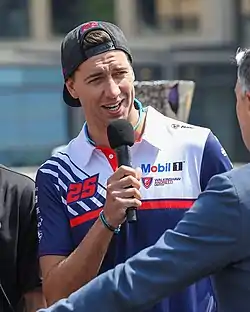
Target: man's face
(243, 113)
(104, 86)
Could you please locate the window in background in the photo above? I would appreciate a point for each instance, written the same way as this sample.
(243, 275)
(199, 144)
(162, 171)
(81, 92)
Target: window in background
(146, 10)
(213, 104)
(169, 16)
(245, 7)
(33, 116)
(148, 72)
(14, 18)
(245, 21)
(67, 14)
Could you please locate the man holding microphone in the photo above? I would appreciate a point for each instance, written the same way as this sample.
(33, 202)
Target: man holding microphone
(212, 238)
(82, 196)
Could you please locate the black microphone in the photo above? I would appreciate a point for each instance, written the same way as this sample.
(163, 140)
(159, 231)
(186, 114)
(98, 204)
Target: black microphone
(121, 136)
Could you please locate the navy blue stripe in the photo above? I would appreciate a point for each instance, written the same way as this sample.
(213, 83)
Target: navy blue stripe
(214, 161)
(67, 168)
(100, 198)
(52, 178)
(61, 176)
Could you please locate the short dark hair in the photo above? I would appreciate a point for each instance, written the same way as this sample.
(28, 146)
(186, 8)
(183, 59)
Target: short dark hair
(96, 37)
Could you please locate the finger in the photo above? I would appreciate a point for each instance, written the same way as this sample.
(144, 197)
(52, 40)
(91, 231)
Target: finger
(138, 173)
(127, 193)
(122, 172)
(129, 202)
(125, 182)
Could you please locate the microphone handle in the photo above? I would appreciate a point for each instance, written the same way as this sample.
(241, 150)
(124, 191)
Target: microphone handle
(124, 159)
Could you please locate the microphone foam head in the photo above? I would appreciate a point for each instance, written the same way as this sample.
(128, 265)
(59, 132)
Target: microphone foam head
(120, 132)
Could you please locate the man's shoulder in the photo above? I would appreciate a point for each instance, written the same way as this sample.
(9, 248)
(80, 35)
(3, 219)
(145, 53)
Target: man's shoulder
(15, 179)
(239, 177)
(59, 163)
(179, 129)
(239, 174)
(56, 155)
(234, 181)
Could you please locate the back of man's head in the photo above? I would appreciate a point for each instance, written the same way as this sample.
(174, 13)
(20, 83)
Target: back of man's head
(243, 63)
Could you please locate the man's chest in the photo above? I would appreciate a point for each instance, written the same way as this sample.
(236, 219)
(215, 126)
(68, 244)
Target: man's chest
(171, 175)
(169, 185)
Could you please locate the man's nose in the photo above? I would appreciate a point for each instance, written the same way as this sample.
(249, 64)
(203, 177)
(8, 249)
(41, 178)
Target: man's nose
(112, 89)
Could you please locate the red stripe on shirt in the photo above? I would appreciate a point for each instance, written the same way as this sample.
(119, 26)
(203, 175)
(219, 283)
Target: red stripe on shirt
(167, 204)
(146, 205)
(85, 217)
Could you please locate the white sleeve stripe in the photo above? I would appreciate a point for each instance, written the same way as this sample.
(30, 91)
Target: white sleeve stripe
(68, 176)
(97, 202)
(49, 171)
(75, 170)
(61, 169)
(78, 172)
(83, 205)
(57, 187)
(70, 210)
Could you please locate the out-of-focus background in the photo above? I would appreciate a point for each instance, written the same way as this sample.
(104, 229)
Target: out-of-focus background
(170, 39)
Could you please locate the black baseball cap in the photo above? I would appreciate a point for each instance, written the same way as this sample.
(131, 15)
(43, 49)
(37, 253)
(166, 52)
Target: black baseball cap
(74, 53)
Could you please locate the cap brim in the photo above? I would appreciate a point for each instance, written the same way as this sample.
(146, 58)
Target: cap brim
(68, 99)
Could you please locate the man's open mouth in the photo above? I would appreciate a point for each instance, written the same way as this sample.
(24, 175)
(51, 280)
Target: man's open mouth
(114, 107)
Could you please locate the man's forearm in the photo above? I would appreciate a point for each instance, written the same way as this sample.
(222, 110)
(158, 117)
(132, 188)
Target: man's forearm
(80, 267)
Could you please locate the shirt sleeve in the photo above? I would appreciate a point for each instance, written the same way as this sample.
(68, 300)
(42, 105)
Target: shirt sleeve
(214, 160)
(27, 260)
(204, 241)
(53, 224)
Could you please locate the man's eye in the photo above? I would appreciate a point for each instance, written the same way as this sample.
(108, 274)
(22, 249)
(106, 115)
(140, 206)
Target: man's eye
(121, 73)
(95, 80)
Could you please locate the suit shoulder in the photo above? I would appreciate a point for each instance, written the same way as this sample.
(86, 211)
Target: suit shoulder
(14, 178)
(239, 178)
(239, 174)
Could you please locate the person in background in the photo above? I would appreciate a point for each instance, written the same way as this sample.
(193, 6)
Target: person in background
(20, 282)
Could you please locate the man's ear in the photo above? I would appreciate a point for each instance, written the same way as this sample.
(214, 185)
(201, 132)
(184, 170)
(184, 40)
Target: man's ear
(70, 84)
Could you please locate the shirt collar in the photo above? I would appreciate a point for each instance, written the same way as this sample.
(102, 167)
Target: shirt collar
(81, 150)
(155, 133)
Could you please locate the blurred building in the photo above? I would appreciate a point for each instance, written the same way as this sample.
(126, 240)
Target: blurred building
(170, 39)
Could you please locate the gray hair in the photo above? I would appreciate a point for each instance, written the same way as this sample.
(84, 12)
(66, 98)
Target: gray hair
(243, 62)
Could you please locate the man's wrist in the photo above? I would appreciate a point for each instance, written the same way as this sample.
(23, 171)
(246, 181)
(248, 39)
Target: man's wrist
(110, 227)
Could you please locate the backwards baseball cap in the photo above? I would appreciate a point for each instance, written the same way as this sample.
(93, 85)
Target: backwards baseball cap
(74, 52)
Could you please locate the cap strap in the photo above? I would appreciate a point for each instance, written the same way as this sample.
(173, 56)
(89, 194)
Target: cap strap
(103, 47)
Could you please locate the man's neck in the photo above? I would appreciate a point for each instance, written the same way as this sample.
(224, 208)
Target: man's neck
(101, 140)
(139, 131)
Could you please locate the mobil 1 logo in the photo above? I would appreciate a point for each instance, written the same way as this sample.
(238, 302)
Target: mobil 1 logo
(162, 167)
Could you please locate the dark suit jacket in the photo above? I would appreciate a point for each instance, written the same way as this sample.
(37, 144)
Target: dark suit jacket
(213, 238)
